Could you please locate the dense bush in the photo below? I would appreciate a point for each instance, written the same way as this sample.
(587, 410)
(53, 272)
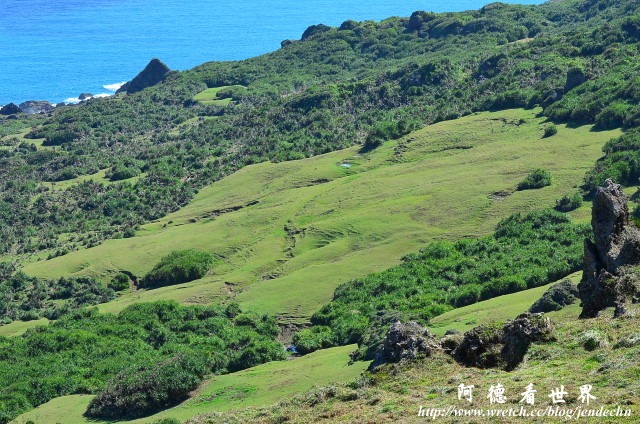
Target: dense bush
(620, 163)
(84, 350)
(119, 282)
(525, 251)
(178, 267)
(314, 338)
(27, 298)
(550, 130)
(568, 203)
(150, 388)
(537, 179)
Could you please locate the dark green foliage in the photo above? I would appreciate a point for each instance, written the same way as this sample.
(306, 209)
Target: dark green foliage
(568, 203)
(119, 282)
(524, 252)
(550, 130)
(178, 267)
(150, 388)
(27, 298)
(314, 338)
(537, 179)
(83, 350)
(621, 162)
(557, 297)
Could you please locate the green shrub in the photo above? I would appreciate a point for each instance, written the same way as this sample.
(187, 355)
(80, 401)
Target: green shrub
(569, 202)
(119, 282)
(178, 267)
(550, 130)
(148, 389)
(315, 338)
(537, 179)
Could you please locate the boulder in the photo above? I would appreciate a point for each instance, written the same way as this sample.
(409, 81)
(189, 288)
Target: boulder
(502, 346)
(36, 106)
(285, 43)
(151, 75)
(10, 109)
(85, 96)
(405, 342)
(612, 260)
(557, 297)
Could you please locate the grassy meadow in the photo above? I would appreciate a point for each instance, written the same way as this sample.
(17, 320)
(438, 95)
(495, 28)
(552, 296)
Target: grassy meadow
(286, 234)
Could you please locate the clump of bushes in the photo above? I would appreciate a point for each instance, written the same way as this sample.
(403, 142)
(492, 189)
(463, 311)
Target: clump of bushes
(145, 358)
(178, 267)
(119, 282)
(148, 389)
(314, 338)
(557, 297)
(537, 179)
(568, 202)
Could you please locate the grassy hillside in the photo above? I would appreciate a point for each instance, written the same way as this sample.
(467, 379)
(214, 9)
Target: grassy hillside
(254, 387)
(286, 234)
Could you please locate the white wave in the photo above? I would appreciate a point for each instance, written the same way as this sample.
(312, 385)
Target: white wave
(102, 95)
(72, 100)
(114, 87)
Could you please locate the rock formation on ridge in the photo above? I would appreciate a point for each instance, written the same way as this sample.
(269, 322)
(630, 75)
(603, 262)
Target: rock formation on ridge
(151, 75)
(10, 109)
(611, 276)
(36, 106)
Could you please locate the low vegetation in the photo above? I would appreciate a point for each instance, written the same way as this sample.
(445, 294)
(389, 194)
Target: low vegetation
(178, 267)
(567, 203)
(140, 360)
(28, 298)
(537, 179)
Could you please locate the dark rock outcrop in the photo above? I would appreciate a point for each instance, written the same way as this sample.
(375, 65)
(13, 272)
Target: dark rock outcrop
(85, 96)
(36, 106)
(10, 109)
(504, 346)
(405, 342)
(611, 276)
(313, 30)
(151, 75)
(557, 297)
(285, 43)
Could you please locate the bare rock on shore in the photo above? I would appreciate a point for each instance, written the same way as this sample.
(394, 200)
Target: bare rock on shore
(10, 109)
(151, 75)
(36, 106)
(611, 276)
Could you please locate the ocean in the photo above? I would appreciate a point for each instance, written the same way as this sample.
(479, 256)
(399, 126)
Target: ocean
(56, 49)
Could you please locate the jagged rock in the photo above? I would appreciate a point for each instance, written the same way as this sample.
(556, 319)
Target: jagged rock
(557, 297)
(36, 106)
(10, 109)
(521, 332)
(610, 276)
(85, 96)
(285, 43)
(60, 104)
(490, 346)
(405, 341)
(151, 75)
(480, 347)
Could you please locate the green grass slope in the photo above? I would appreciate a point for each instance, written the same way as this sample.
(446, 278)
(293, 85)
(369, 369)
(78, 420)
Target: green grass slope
(286, 234)
(254, 387)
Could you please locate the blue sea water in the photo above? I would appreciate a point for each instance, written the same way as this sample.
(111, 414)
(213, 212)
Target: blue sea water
(55, 49)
